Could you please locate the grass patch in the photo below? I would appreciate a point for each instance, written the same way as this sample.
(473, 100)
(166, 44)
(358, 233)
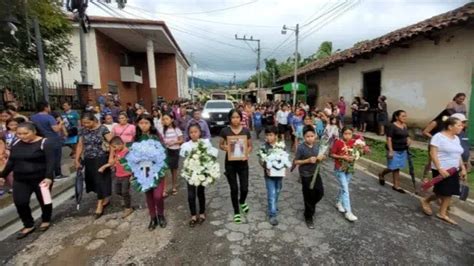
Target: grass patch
(420, 157)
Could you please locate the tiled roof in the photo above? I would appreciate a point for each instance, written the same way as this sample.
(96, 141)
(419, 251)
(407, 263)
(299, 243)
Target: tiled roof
(455, 17)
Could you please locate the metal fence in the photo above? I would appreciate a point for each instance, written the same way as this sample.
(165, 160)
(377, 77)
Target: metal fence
(27, 93)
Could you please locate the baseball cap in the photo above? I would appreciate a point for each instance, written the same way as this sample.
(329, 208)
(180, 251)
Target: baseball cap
(459, 116)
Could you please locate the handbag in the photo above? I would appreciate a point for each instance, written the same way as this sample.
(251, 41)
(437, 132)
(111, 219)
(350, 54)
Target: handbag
(464, 191)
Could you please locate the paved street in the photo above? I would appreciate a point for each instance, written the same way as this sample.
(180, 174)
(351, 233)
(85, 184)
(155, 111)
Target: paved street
(391, 230)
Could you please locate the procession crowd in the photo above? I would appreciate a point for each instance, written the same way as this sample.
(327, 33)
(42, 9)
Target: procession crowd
(100, 139)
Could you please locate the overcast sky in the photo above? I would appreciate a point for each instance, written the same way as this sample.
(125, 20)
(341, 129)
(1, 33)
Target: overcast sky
(206, 28)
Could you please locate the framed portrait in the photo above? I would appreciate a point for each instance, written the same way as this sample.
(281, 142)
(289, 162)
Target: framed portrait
(237, 146)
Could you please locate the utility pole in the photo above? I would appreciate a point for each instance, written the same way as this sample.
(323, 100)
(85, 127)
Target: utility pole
(295, 78)
(192, 78)
(39, 51)
(251, 39)
(233, 80)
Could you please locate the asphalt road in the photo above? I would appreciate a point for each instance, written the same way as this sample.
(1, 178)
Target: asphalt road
(391, 230)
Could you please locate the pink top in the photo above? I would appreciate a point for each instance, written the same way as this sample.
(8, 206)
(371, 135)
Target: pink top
(126, 132)
(120, 171)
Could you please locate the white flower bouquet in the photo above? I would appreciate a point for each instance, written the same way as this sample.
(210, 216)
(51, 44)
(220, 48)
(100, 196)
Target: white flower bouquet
(200, 167)
(275, 160)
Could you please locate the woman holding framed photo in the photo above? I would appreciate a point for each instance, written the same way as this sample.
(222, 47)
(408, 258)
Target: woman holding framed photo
(237, 143)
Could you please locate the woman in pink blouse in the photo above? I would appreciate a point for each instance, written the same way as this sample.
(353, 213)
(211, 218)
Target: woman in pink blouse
(123, 129)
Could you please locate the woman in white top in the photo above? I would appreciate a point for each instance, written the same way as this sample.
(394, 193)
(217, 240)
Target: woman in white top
(109, 122)
(282, 120)
(445, 153)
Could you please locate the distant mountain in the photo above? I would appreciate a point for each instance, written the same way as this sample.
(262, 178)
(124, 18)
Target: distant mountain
(204, 83)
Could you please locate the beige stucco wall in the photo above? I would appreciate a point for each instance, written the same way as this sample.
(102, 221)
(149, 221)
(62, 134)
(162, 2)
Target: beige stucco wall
(421, 79)
(326, 84)
(73, 73)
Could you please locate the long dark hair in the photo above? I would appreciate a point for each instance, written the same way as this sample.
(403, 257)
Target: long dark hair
(172, 125)
(196, 125)
(396, 115)
(231, 112)
(139, 132)
(445, 112)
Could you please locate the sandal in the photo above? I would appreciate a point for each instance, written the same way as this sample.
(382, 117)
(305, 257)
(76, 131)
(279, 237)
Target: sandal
(22, 234)
(237, 219)
(174, 192)
(165, 194)
(44, 228)
(426, 207)
(244, 208)
(192, 223)
(446, 219)
(202, 219)
(399, 190)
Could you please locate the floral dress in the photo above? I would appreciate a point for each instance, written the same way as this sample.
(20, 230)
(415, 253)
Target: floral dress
(95, 156)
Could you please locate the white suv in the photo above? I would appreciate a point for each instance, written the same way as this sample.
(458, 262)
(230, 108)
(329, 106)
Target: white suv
(215, 112)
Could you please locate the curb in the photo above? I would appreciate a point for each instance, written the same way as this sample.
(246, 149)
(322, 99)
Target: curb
(374, 168)
(9, 215)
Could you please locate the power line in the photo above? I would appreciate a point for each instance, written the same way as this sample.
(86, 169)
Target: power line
(211, 11)
(334, 17)
(318, 11)
(220, 23)
(322, 15)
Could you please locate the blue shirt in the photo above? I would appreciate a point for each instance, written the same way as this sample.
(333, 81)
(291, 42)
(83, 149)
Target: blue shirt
(45, 123)
(72, 118)
(257, 119)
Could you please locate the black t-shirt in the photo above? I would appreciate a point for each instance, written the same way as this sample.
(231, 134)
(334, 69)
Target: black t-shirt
(399, 137)
(269, 118)
(304, 152)
(227, 131)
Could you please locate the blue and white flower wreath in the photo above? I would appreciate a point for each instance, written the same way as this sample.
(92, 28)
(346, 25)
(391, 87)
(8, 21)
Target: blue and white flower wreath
(147, 161)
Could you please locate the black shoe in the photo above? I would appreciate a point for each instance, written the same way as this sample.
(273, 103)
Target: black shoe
(310, 224)
(22, 235)
(381, 180)
(399, 190)
(153, 224)
(162, 221)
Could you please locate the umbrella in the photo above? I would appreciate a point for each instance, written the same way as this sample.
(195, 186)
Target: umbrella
(411, 169)
(79, 186)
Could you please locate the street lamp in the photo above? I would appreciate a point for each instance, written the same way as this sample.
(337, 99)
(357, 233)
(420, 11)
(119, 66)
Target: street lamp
(295, 78)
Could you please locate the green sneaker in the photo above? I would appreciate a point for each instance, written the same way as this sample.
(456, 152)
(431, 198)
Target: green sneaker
(244, 208)
(237, 219)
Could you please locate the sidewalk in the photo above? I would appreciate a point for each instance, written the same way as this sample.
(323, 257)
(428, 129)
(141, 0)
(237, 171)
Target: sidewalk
(8, 213)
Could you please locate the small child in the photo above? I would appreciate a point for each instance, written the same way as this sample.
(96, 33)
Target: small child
(332, 129)
(319, 124)
(307, 158)
(297, 127)
(194, 133)
(258, 122)
(122, 176)
(273, 184)
(342, 168)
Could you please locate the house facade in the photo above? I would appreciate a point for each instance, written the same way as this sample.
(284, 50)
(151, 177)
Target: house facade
(121, 54)
(418, 68)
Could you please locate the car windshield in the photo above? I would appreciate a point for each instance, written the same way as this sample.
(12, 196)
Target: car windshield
(219, 105)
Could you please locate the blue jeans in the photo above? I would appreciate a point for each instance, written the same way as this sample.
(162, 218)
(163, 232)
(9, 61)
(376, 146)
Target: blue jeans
(343, 196)
(274, 185)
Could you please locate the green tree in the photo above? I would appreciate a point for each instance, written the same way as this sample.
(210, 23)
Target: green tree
(18, 55)
(324, 50)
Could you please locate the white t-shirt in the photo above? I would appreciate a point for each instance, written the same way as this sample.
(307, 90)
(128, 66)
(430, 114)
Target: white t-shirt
(110, 127)
(449, 151)
(282, 117)
(190, 145)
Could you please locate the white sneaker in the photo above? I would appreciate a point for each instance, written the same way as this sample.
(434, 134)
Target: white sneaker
(351, 217)
(340, 208)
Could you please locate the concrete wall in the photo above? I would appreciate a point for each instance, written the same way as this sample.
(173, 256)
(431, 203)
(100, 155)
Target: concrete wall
(182, 80)
(421, 79)
(326, 85)
(73, 73)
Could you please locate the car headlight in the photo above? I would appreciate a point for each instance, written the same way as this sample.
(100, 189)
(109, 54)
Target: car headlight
(206, 115)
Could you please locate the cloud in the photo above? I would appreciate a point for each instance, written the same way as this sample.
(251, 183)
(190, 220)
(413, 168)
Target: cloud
(209, 36)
